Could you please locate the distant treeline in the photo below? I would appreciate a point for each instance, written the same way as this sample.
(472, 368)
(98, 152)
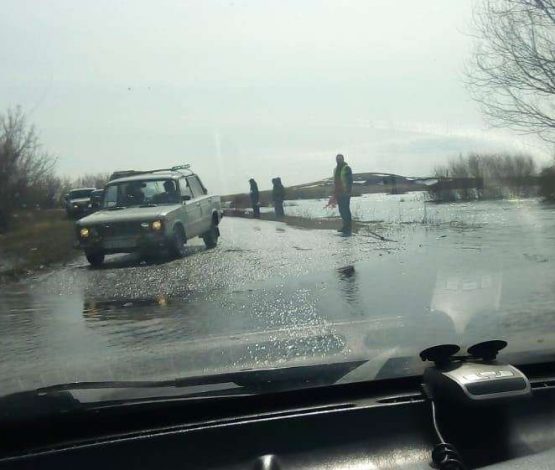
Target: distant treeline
(490, 176)
(363, 183)
(242, 200)
(547, 183)
(476, 176)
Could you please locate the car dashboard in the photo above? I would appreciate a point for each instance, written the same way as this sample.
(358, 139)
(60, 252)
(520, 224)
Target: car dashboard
(376, 425)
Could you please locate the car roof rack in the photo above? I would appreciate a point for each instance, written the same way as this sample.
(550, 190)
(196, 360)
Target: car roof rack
(127, 173)
(176, 168)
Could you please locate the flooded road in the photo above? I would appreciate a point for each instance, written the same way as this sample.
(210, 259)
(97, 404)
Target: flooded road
(270, 294)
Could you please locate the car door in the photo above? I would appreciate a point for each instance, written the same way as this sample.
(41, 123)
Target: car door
(191, 209)
(204, 202)
(206, 206)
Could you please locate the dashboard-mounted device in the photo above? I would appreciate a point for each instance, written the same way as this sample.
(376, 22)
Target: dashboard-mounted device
(474, 378)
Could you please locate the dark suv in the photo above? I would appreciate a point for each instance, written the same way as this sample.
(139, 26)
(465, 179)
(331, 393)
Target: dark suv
(77, 202)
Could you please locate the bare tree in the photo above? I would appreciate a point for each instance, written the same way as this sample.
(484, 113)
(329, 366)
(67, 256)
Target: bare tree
(23, 164)
(96, 180)
(512, 74)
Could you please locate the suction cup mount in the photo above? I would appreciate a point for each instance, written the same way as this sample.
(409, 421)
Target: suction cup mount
(487, 350)
(445, 353)
(440, 354)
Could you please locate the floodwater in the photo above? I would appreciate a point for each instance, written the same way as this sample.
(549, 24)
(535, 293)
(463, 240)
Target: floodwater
(271, 295)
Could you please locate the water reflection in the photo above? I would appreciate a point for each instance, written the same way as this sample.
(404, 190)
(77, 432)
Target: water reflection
(94, 308)
(348, 286)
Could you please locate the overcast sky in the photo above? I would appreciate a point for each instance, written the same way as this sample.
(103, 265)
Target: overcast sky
(244, 89)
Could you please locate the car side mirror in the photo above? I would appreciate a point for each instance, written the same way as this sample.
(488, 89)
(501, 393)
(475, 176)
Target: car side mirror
(186, 198)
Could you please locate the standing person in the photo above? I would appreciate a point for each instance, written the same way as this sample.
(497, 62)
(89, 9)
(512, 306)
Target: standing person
(343, 185)
(278, 195)
(255, 199)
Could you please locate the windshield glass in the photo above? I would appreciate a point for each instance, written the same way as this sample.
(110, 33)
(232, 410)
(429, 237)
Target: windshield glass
(80, 193)
(287, 185)
(141, 192)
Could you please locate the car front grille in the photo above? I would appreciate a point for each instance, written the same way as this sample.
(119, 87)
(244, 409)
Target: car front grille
(119, 229)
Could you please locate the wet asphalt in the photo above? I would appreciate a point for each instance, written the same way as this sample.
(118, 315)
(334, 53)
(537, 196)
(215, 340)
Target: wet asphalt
(78, 322)
(272, 295)
(248, 252)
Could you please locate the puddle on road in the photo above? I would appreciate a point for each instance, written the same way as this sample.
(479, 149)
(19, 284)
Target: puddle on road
(92, 307)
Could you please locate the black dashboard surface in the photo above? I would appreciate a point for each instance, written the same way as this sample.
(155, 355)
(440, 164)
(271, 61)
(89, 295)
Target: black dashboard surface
(374, 432)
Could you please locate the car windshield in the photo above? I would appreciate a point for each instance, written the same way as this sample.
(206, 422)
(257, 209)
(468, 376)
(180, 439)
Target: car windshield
(80, 193)
(141, 192)
(287, 185)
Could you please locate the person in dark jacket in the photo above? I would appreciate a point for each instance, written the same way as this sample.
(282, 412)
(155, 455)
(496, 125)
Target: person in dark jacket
(255, 199)
(278, 195)
(343, 185)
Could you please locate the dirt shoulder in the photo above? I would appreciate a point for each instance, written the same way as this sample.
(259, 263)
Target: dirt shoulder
(38, 239)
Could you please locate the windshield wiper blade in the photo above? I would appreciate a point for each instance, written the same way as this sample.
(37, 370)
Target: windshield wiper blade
(110, 384)
(22, 406)
(47, 401)
(258, 379)
(116, 208)
(150, 204)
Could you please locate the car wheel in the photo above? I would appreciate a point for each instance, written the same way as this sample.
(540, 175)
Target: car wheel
(177, 247)
(95, 258)
(211, 237)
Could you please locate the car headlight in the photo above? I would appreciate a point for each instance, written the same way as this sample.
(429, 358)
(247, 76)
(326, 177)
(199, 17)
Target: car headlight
(75, 206)
(156, 225)
(84, 232)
